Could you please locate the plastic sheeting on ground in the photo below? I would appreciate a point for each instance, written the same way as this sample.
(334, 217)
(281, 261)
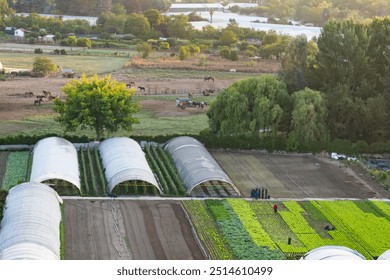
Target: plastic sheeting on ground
(30, 228)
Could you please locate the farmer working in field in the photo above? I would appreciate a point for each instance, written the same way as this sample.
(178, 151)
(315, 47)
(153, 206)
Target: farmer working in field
(275, 208)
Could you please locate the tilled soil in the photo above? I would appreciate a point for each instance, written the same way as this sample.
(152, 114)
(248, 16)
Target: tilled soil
(128, 229)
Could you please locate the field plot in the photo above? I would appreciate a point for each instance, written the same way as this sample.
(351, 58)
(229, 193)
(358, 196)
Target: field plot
(252, 230)
(288, 176)
(140, 230)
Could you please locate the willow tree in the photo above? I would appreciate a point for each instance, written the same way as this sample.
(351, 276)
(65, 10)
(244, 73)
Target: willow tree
(308, 121)
(104, 105)
(250, 106)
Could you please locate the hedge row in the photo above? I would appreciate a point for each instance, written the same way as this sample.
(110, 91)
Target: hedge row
(243, 142)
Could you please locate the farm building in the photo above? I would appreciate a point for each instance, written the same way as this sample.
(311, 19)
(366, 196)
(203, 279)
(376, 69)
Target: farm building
(198, 169)
(333, 253)
(125, 164)
(30, 228)
(55, 163)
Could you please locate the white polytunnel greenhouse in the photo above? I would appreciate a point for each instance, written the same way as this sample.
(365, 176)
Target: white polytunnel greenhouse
(125, 162)
(197, 167)
(333, 253)
(385, 255)
(30, 228)
(55, 163)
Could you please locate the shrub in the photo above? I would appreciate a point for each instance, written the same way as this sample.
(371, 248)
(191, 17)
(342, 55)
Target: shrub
(38, 51)
(184, 52)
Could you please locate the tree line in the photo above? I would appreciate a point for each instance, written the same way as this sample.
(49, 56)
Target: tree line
(335, 87)
(86, 8)
(317, 12)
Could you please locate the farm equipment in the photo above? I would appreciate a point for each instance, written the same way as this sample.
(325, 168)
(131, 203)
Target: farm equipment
(187, 102)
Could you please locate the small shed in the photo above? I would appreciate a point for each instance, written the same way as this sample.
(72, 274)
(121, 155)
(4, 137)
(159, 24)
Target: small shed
(20, 32)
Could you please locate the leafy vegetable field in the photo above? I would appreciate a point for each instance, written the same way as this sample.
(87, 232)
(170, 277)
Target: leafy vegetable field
(251, 229)
(16, 170)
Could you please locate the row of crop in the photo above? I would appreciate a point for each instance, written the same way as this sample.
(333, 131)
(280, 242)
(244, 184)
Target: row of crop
(168, 163)
(369, 230)
(238, 238)
(163, 167)
(250, 227)
(206, 229)
(248, 218)
(155, 168)
(92, 178)
(16, 169)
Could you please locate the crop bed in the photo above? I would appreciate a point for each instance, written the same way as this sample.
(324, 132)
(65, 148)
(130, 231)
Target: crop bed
(251, 229)
(16, 169)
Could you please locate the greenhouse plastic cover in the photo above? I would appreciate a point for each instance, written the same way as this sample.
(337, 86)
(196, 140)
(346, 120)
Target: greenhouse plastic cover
(30, 228)
(55, 158)
(194, 163)
(333, 253)
(385, 255)
(124, 160)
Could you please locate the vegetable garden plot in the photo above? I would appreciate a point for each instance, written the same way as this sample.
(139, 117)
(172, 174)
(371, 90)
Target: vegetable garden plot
(297, 227)
(16, 170)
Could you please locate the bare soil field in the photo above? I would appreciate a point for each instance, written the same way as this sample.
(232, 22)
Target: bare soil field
(14, 105)
(128, 229)
(297, 176)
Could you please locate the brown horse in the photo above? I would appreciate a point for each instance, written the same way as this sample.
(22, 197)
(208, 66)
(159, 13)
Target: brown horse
(208, 78)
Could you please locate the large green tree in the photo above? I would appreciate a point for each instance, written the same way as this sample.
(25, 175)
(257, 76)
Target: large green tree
(352, 71)
(297, 63)
(104, 105)
(179, 27)
(5, 11)
(250, 106)
(138, 25)
(308, 121)
(43, 66)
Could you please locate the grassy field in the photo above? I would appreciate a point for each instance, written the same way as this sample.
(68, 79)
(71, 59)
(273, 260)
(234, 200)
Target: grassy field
(149, 124)
(79, 63)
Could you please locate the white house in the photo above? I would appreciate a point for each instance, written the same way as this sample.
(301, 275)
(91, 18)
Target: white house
(49, 38)
(20, 32)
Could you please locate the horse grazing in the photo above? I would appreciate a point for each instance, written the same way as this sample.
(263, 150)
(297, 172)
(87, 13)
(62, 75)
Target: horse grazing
(208, 78)
(130, 84)
(28, 94)
(141, 88)
(46, 93)
(195, 104)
